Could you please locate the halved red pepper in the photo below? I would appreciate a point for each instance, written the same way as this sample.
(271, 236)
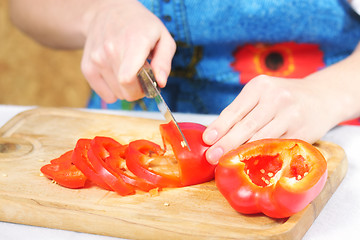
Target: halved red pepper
(188, 167)
(193, 166)
(63, 172)
(278, 177)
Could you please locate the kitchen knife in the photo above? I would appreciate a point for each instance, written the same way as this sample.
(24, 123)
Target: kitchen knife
(149, 85)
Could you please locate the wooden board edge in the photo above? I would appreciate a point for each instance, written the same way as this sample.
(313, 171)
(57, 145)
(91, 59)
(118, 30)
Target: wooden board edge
(22, 116)
(63, 111)
(297, 225)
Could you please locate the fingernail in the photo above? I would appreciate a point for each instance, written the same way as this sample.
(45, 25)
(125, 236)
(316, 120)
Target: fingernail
(214, 155)
(210, 136)
(161, 78)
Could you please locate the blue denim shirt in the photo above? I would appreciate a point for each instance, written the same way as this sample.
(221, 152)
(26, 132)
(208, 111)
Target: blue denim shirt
(208, 32)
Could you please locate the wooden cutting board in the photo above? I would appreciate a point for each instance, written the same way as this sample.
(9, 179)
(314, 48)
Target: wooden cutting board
(32, 138)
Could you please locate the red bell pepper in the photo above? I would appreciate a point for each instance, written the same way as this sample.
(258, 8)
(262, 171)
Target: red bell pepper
(193, 166)
(63, 172)
(188, 167)
(277, 177)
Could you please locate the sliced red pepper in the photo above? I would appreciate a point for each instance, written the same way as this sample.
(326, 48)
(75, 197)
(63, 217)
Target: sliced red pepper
(141, 153)
(188, 167)
(116, 161)
(193, 166)
(63, 172)
(102, 161)
(277, 177)
(98, 152)
(81, 161)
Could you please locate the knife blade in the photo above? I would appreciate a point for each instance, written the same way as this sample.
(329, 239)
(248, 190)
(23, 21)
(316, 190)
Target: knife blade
(150, 87)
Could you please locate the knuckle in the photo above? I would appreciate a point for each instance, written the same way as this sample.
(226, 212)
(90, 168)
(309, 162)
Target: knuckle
(283, 97)
(227, 113)
(109, 48)
(262, 81)
(88, 70)
(232, 140)
(96, 58)
(125, 79)
(296, 117)
(250, 126)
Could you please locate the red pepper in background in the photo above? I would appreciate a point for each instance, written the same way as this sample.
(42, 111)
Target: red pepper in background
(277, 177)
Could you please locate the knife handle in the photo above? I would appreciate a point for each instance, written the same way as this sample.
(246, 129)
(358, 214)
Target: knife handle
(147, 80)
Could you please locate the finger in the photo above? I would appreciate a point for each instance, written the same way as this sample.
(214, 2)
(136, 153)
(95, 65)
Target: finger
(127, 66)
(258, 89)
(237, 110)
(98, 84)
(100, 59)
(92, 74)
(125, 86)
(162, 56)
(298, 134)
(274, 129)
(242, 131)
(122, 90)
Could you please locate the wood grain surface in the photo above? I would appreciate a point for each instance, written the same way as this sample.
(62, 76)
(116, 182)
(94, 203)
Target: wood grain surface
(32, 138)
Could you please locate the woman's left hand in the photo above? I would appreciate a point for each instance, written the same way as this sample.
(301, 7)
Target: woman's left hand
(272, 107)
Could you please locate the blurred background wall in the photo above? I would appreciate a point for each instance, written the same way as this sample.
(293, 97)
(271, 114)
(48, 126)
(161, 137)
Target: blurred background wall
(31, 74)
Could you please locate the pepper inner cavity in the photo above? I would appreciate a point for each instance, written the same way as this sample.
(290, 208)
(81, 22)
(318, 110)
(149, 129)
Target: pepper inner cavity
(299, 168)
(262, 168)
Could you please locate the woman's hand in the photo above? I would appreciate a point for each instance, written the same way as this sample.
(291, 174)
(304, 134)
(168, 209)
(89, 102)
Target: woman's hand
(270, 107)
(120, 36)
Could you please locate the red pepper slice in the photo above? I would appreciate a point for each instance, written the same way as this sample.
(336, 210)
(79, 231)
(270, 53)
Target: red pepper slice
(100, 150)
(81, 161)
(193, 166)
(278, 177)
(141, 153)
(63, 172)
(116, 161)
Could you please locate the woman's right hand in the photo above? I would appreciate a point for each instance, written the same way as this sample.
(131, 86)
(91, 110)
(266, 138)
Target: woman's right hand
(120, 36)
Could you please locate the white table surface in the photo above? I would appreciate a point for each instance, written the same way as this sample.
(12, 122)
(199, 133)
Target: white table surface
(339, 219)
